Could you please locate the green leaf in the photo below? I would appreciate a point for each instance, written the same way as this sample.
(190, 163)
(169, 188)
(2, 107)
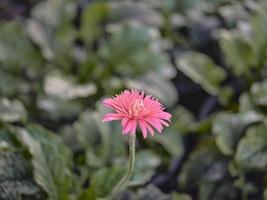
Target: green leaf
(69, 136)
(201, 70)
(53, 13)
(231, 13)
(246, 103)
(129, 51)
(103, 141)
(51, 160)
(251, 152)
(151, 192)
(51, 28)
(16, 50)
(155, 85)
(16, 180)
(180, 196)
(91, 20)
(11, 84)
(56, 110)
(39, 35)
(265, 194)
(105, 179)
(237, 51)
(201, 5)
(229, 128)
(20, 190)
(259, 41)
(146, 163)
(64, 88)
(12, 111)
(122, 11)
(259, 93)
(171, 141)
(87, 195)
(184, 119)
(218, 191)
(196, 168)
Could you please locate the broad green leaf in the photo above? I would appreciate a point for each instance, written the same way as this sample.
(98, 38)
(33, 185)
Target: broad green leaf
(56, 110)
(12, 111)
(246, 103)
(64, 89)
(151, 192)
(129, 51)
(184, 119)
(51, 160)
(51, 28)
(216, 184)
(202, 5)
(231, 13)
(171, 141)
(259, 93)
(105, 179)
(229, 128)
(11, 84)
(201, 70)
(87, 195)
(180, 196)
(251, 152)
(122, 11)
(92, 18)
(16, 180)
(13, 165)
(54, 12)
(196, 168)
(103, 141)
(69, 136)
(86, 129)
(40, 36)
(20, 190)
(265, 194)
(218, 191)
(146, 163)
(259, 29)
(16, 50)
(237, 51)
(155, 85)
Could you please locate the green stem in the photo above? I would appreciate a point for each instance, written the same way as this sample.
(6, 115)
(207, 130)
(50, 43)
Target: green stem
(130, 169)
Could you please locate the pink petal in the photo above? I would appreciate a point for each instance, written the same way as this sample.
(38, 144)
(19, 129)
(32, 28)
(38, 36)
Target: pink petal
(111, 116)
(164, 115)
(111, 103)
(130, 127)
(124, 121)
(163, 122)
(133, 129)
(142, 125)
(127, 128)
(153, 122)
(150, 129)
(108, 102)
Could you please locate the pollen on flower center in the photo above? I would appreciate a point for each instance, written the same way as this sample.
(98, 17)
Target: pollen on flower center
(136, 108)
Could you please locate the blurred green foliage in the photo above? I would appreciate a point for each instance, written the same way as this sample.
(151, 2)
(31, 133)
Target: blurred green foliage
(60, 59)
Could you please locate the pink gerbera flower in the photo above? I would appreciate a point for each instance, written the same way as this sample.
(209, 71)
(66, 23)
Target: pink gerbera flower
(135, 108)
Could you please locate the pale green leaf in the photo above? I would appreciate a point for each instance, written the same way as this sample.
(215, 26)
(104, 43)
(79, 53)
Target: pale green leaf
(202, 70)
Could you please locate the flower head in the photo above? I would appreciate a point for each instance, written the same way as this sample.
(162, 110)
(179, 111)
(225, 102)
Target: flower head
(135, 108)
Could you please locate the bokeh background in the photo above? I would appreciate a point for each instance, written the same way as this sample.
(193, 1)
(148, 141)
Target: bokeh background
(205, 60)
